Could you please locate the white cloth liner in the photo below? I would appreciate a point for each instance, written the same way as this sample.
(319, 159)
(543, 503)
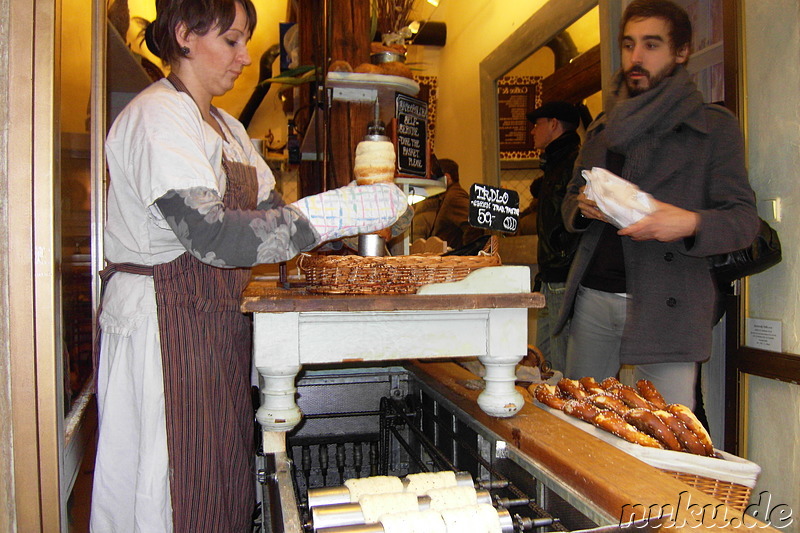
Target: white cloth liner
(620, 200)
(729, 468)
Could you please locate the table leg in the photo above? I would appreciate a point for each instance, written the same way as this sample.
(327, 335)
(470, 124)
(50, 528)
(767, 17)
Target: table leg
(278, 410)
(500, 398)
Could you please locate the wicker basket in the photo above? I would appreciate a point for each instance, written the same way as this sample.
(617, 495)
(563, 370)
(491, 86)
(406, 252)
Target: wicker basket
(404, 274)
(731, 494)
(726, 477)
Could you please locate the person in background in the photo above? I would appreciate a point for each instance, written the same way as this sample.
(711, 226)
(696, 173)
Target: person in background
(644, 295)
(190, 200)
(446, 215)
(425, 210)
(554, 131)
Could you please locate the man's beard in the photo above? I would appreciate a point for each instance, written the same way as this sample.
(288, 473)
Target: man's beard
(636, 88)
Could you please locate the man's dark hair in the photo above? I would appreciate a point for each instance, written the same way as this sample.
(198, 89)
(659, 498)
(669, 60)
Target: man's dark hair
(567, 126)
(199, 18)
(449, 166)
(680, 27)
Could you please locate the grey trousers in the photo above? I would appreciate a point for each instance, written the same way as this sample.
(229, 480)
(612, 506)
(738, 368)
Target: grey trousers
(594, 343)
(553, 347)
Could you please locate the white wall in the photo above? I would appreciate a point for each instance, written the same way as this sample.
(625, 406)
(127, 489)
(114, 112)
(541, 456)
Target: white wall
(773, 90)
(474, 29)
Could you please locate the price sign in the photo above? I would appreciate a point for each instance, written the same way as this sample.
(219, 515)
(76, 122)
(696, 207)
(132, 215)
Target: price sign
(493, 208)
(412, 136)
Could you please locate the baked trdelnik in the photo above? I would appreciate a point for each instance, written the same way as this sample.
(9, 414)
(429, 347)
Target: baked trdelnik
(639, 415)
(375, 162)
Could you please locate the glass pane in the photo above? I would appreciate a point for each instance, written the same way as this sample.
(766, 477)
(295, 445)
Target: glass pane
(73, 181)
(706, 65)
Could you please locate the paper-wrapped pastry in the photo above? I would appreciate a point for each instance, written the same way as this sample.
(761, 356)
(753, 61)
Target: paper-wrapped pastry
(620, 200)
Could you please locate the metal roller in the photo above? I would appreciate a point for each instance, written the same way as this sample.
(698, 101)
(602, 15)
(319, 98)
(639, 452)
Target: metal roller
(348, 514)
(329, 516)
(506, 521)
(464, 479)
(484, 496)
(506, 526)
(364, 528)
(328, 496)
(341, 494)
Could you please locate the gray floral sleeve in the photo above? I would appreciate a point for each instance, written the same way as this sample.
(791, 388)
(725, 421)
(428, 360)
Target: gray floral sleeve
(236, 238)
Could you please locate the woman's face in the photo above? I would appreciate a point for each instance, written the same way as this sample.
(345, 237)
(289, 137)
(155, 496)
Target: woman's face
(217, 59)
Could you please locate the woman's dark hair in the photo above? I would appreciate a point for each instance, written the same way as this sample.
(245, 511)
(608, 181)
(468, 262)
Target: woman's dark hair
(199, 17)
(680, 27)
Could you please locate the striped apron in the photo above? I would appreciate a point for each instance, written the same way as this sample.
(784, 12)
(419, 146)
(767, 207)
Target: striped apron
(206, 346)
(206, 354)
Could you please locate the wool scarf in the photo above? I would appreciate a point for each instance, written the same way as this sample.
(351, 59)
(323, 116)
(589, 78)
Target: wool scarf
(636, 124)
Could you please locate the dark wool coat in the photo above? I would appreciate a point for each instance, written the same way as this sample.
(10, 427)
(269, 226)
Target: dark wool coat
(699, 166)
(556, 245)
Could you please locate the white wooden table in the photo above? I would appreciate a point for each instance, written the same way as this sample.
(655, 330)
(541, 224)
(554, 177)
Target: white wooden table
(484, 315)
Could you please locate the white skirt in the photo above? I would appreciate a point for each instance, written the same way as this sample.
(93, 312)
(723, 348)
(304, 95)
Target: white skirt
(131, 490)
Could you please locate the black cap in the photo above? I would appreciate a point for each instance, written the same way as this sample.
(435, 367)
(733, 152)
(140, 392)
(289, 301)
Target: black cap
(563, 111)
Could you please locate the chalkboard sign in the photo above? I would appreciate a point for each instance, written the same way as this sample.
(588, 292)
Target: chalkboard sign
(412, 136)
(516, 96)
(493, 208)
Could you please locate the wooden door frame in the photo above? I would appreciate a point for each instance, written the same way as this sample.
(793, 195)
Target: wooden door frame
(41, 437)
(743, 361)
(550, 20)
(34, 389)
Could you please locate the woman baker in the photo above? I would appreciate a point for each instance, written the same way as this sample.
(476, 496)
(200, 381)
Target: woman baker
(189, 200)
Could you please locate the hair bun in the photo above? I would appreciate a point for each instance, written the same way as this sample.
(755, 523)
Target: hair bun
(150, 40)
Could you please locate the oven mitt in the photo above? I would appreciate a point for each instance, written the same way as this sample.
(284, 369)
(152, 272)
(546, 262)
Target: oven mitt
(620, 200)
(353, 209)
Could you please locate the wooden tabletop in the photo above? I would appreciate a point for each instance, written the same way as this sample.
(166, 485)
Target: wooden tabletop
(606, 475)
(264, 297)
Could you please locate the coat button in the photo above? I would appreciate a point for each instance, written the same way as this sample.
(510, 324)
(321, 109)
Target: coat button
(668, 257)
(672, 302)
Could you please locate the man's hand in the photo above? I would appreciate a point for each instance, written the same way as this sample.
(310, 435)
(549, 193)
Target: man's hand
(588, 207)
(666, 224)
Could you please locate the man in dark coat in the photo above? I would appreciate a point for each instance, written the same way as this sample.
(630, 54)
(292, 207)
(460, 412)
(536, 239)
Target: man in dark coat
(644, 295)
(554, 131)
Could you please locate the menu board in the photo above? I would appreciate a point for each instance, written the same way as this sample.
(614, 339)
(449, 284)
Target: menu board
(493, 208)
(412, 136)
(516, 96)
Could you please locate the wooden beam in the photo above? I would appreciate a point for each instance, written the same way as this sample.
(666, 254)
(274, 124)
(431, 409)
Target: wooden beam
(350, 24)
(580, 79)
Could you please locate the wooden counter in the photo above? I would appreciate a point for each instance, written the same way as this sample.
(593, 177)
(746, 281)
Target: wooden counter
(604, 475)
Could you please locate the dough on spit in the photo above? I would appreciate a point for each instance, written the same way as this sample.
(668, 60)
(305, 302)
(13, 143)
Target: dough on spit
(416, 522)
(358, 487)
(373, 506)
(374, 162)
(422, 482)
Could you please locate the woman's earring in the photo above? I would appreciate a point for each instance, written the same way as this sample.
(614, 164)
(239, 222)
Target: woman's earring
(185, 51)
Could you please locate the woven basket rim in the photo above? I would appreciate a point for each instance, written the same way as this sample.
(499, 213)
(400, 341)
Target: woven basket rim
(732, 494)
(404, 274)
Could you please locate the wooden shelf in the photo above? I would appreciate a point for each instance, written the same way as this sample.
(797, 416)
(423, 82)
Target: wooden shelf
(355, 87)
